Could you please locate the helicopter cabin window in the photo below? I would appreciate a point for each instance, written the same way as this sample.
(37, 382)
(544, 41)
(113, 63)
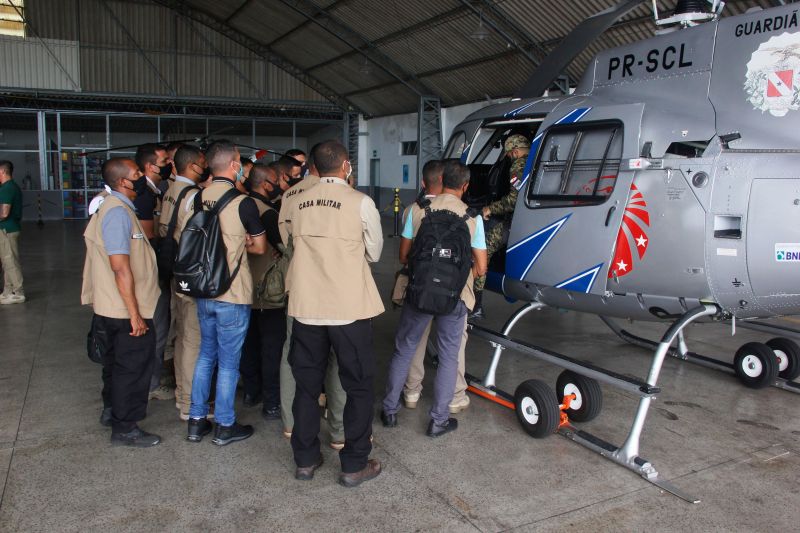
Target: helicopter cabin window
(577, 165)
(456, 146)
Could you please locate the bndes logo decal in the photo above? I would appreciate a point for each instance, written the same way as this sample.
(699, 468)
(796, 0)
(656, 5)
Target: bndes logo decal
(787, 252)
(773, 75)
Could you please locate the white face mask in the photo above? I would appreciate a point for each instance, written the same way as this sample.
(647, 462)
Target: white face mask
(349, 171)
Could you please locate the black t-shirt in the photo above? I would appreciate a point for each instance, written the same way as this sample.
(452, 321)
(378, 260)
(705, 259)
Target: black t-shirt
(145, 204)
(248, 214)
(270, 221)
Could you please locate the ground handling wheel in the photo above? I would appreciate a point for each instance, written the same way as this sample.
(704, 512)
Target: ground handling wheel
(788, 353)
(537, 408)
(588, 396)
(756, 365)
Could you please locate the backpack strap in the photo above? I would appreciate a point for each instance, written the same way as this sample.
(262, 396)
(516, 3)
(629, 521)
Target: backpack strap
(173, 220)
(198, 201)
(224, 200)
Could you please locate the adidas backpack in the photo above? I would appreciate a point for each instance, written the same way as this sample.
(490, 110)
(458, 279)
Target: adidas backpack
(201, 268)
(439, 262)
(167, 247)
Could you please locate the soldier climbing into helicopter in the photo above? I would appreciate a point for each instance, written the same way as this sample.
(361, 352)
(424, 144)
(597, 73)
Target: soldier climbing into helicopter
(516, 148)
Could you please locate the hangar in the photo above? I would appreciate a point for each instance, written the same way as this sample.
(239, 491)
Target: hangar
(685, 230)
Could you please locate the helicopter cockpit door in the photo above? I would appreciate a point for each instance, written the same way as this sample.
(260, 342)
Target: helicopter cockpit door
(573, 199)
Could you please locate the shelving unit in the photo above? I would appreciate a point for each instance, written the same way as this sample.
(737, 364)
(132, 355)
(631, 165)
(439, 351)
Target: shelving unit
(80, 180)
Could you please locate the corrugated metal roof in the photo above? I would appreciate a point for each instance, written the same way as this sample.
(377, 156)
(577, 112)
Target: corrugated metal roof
(415, 46)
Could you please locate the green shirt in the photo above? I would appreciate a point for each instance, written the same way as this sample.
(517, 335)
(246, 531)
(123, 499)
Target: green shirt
(11, 194)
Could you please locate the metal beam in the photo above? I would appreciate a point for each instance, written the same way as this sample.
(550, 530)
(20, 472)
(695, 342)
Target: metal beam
(260, 49)
(343, 32)
(509, 40)
(306, 22)
(404, 32)
(138, 47)
(226, 60)
(434, 72)
(238, 10)
(530, 40)
(52, 54)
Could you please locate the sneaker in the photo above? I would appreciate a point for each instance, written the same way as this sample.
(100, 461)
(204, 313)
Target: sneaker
(336, 445)
(411, 399)
(12, 298)
(162, 393)
(436, 430)
(273, 413)
(105, 417)
(135, 439)
(287, 433)
(461, 405)
(226, 434)
(197, 429)
(354, 479)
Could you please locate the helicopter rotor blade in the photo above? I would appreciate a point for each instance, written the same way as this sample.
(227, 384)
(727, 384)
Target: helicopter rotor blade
(571, 46)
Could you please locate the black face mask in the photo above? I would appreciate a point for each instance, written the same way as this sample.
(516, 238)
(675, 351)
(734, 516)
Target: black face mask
(293, 181)
(274, 193)
(165, 172)
(140, 186)
(205, 175)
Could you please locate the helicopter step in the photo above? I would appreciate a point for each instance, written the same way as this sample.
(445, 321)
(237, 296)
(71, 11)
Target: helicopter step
(538, 409)
(775, 363)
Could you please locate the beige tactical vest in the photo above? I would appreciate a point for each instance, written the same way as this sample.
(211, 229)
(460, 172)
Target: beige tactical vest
(168, 207)
(329, 277)
(99, 285)
(260, 263)
(288, 200)
(454, 204)
(233, 235)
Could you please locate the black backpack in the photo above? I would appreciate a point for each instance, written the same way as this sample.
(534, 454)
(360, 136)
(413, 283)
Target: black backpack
(167, 248)
(439, 262)
(201, 267)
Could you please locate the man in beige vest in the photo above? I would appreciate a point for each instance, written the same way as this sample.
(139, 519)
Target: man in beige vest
(224, 319)
(432, 183)
(335, 233)
(189, 163)
(450, 326)
(120, 282)
(334, 397)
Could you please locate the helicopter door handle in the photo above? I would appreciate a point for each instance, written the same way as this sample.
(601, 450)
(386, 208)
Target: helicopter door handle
(610, 212)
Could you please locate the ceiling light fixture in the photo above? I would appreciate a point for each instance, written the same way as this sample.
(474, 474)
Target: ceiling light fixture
(366, 67)
(480, 33)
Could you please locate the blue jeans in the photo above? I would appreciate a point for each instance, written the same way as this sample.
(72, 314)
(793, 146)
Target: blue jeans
(223, 327)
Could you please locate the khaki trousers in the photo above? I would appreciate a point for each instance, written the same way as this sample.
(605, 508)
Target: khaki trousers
(416, 371)
(187, 348)
(9, 259)
(335, 394)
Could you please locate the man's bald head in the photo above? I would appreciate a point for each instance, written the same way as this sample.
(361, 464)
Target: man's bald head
(118, 168)
(261, 173)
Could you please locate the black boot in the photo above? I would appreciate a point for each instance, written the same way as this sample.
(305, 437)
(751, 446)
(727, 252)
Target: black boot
(477, 311)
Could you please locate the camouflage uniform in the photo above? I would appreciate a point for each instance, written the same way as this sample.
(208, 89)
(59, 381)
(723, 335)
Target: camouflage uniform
(506, 204)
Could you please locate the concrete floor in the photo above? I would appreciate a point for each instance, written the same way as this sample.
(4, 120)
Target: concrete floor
(735, 448)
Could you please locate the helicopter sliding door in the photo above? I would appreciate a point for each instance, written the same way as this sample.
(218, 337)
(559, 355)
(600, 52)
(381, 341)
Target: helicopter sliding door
(572, 205)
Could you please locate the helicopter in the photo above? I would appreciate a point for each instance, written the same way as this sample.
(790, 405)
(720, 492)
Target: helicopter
(661, 189)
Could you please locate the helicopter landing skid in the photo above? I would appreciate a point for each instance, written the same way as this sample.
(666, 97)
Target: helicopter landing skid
(626, 455)
(682, 351)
